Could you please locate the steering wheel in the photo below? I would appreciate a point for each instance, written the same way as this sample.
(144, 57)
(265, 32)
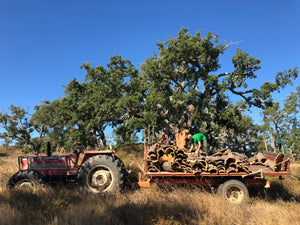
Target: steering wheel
(79, 149)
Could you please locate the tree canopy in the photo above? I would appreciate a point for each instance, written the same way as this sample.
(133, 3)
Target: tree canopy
(285, 121)
(179, 87)
(18, 126)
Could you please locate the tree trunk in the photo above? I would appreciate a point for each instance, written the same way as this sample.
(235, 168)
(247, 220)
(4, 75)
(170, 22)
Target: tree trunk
(102, 137)
(94, 141)
(181, 138)
(33, 147)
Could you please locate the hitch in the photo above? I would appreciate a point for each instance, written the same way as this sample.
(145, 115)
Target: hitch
(143, 184)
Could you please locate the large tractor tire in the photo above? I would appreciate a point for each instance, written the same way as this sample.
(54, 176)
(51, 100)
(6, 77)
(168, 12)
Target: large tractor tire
(26, 180)
(101, 174)
(234, 191)
(123, 168)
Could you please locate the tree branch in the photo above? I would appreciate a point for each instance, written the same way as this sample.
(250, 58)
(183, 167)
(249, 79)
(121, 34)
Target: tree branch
(241, 93)
(223, 74)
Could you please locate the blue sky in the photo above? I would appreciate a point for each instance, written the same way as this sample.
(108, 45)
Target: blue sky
(43, 42)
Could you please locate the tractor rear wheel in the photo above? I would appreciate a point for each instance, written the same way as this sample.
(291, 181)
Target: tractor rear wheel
(101, 174)
(234, 191)
(26, 180)
(122, 166)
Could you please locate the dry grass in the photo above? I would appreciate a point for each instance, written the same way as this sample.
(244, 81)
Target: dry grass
(157, 205)
(8, 165)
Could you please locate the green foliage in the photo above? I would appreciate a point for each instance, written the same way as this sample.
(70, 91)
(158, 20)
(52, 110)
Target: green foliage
(18, 126)
(285, 121)
(89, 107)
(180, 87)
(122, 137)
(54, 117)
(187, 92)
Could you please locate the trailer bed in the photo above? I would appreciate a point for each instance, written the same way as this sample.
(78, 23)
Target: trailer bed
(257, 175)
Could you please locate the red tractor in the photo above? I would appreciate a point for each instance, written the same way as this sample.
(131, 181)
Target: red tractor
(98, 172)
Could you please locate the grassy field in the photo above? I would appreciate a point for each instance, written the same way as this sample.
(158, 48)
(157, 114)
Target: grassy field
(156, 205)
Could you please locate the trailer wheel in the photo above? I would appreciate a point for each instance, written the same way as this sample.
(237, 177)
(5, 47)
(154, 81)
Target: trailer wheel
(234, 191)
(219, 191)
(100, 174)
(26, 180)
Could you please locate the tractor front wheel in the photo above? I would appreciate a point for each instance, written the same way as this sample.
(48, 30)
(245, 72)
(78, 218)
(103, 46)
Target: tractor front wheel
(26, 180)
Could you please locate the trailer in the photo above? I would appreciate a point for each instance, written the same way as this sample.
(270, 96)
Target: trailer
(230, 185)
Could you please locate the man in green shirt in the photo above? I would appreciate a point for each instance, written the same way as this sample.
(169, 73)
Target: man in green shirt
(200, 141)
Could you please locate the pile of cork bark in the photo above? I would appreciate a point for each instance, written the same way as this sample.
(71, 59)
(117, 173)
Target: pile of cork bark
(174, 159)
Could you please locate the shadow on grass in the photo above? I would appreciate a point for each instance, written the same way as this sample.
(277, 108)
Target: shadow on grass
(152, 213)
(39, 207)
(3, 154)
(45, 206)
(145, 211)
(277, 191)
(63, 202)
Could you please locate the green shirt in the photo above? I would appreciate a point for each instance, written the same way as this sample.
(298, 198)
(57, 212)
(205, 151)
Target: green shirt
(198, 138)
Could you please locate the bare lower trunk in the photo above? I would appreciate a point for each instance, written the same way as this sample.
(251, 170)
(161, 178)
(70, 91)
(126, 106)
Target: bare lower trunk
(181, 138)
(102, 136)
(35, 148)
